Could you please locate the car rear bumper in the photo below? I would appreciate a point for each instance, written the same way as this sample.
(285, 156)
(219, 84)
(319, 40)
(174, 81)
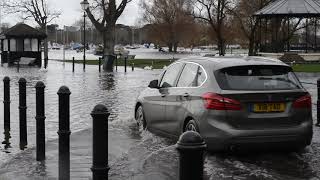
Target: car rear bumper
(223, 137)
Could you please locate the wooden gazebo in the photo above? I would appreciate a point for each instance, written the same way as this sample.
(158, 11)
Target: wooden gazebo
(21, 43)
(277, 22)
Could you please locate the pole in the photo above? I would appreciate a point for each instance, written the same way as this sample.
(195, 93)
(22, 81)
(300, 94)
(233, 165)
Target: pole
(100, 166)
(132, 66)
(72, 64)
(125, 64)
(99, 64)
(6, 105)
(40, 117)
(23, 113)
(84, 40)
(116, 63)
(18, 65)
(64, 133)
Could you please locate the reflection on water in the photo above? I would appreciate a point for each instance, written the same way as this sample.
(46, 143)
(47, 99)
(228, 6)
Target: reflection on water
(117, 91)
(7, 137)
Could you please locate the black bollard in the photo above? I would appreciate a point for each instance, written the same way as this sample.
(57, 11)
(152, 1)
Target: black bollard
(318, 104)
(116, 63)
(72, 64)
(125, 64)
(23, 113)
(40, 117)
(191, 148)
(6, 109)
(100, 167)
(45, 62)
(64, 133)
(84, 63)
(18, 65)
(132, 66)
(99, 64)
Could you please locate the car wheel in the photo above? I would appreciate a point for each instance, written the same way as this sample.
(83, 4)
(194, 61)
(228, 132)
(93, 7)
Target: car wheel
(191, 126)
(141, 122)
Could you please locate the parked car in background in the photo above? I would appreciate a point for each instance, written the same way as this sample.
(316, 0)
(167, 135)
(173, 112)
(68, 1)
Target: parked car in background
(232, 102)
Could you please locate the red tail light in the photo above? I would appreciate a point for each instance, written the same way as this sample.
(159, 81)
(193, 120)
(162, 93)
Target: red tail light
(218, 102)
(303, 102)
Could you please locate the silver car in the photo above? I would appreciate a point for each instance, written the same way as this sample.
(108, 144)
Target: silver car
(231, 102)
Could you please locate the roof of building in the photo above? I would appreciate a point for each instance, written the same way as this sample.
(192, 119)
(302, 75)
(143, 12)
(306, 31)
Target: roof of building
(22, 31)
(291, 8)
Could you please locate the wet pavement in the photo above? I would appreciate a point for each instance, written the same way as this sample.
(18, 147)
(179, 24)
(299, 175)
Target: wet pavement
(132, 154)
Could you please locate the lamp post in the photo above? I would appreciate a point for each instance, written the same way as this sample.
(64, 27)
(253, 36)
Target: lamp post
(84, 5)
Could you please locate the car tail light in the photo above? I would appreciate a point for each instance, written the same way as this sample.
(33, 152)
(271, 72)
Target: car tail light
(218, 102)
(303, 102)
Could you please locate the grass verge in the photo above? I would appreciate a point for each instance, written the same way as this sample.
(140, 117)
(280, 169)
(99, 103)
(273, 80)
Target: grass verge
(306, 67)
(141, 63)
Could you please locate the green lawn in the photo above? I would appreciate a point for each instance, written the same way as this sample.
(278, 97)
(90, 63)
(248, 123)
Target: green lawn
(306, 67)
(141, 63)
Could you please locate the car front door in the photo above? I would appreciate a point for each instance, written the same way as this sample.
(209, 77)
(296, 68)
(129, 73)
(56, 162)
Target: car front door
(178, 98)
(167, 82)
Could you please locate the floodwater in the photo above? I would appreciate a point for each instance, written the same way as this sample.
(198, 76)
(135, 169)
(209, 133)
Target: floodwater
(133, 154)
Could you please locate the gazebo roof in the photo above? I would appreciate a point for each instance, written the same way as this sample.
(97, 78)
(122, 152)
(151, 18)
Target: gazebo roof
(22, 31)
(291, 8)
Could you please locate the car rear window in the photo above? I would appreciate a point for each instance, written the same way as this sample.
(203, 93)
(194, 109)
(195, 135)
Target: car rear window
(257, 78)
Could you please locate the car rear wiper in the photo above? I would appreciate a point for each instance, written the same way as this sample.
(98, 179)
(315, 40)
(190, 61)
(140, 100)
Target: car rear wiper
(281, 79)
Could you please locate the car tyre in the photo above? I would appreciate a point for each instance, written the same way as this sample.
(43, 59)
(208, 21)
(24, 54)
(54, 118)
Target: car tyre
(191, 126)
(139, 116)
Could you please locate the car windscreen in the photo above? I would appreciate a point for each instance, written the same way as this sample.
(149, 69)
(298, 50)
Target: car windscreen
(257, 77)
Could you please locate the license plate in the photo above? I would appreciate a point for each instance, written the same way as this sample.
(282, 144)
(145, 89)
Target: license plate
(269, 107)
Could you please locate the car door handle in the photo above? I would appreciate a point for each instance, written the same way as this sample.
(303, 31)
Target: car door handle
(186, 95)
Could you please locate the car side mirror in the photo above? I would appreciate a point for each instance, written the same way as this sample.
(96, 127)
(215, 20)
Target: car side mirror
(154, 84)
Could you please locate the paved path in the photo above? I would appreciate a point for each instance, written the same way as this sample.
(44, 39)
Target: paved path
(25, 167)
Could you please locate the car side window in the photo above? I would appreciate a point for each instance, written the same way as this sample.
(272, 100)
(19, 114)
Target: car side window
(201, 76)
(189, 76)
(170, 75)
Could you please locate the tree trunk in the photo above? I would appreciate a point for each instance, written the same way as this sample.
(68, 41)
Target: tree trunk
(175, 47)
(170, 46)
(221, 47)
(45, 47)
(45, 52)
(251, 45)
(108, 50)
(221, 42)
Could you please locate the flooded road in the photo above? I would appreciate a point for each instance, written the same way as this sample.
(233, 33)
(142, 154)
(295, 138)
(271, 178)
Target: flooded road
(140, 155)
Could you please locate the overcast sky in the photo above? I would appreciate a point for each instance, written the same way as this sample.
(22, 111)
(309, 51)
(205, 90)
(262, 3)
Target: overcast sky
(71, 11)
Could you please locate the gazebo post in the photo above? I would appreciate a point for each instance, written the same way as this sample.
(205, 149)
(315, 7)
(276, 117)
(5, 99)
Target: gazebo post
(315, 34)
(266, 34)
(306, 35)
(8, 56)
(288, 38)
(276, 39)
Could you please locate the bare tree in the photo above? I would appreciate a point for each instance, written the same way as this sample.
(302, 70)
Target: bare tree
(36, 10)
(104, 15)
(170, 24)
(244, 17)
(214, 12)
